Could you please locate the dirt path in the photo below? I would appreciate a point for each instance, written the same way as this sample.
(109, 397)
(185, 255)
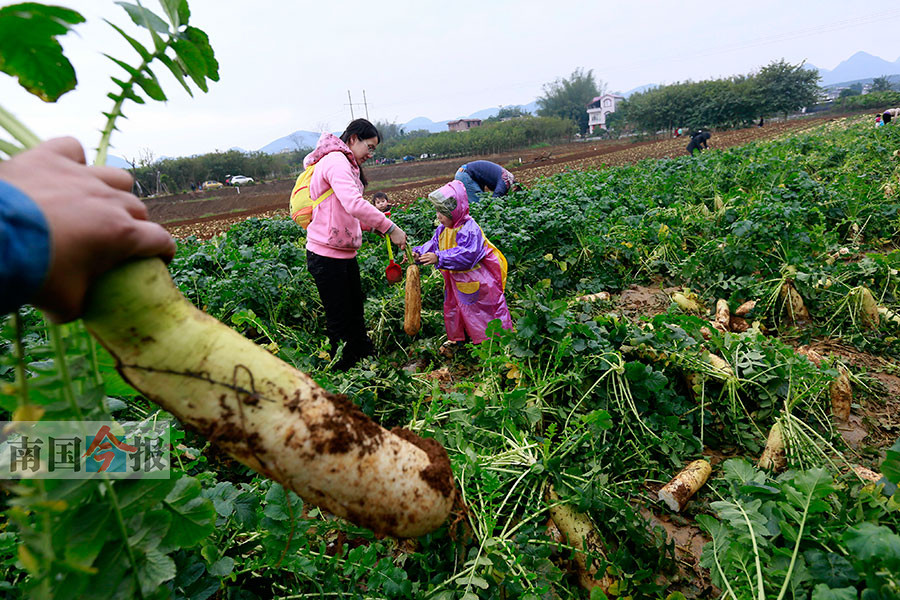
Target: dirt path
(205, 214)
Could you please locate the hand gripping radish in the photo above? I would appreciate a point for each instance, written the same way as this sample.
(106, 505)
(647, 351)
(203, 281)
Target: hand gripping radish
(262, 411)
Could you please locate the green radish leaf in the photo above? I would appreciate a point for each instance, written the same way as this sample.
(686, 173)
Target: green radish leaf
(151, 86)
(177, 72)
(30, 51)
(87, 531)
(144, 18)
(148, 529)
(138, 496)
(890, 468)
(201, 40)
(222, 567)
(154, 568)
(191, 59)
(193, 517)
(177, 11)
(831, 568)
(245, 509)
(823, 592)
(138, 47)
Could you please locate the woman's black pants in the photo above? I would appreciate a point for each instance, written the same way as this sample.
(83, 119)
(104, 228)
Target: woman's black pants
(340, 290)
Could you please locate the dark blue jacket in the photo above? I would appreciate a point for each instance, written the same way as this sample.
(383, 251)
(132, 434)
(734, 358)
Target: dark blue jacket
(487, 174)
(24, 248)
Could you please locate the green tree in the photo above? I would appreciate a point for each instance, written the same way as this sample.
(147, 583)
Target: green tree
(782, 88)
(881, 84)
(568, 98)
(507, 112)
(847, 92)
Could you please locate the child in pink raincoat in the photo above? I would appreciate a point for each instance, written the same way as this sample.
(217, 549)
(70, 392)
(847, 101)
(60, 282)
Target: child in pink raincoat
(474, 269)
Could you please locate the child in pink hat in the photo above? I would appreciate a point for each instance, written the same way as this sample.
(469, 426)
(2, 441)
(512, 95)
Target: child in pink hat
(474, 269)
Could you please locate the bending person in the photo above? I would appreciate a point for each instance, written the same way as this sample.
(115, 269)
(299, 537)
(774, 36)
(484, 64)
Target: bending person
(335, 234)
(483, 175)
(63, 223)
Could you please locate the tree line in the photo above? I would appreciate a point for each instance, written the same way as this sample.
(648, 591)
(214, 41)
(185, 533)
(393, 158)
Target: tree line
(738, 101)
(175, 175)
(490, 137)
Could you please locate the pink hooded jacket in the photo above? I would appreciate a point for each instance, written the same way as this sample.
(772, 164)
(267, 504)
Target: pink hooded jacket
(335, 229)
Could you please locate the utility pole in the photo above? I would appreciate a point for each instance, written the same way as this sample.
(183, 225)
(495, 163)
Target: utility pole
(366, 105)
(351, 105)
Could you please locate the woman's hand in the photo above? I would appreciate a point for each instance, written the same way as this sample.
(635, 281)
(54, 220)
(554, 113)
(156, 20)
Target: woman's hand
(429, 258)
(398, 236)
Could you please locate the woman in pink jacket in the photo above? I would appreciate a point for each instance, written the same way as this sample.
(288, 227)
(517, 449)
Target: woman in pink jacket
(335, 234)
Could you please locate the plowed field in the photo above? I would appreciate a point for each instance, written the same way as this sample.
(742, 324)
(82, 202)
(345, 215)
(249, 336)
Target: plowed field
(205, 214)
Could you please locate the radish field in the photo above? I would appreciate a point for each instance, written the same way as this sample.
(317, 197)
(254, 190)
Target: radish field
(753, 297)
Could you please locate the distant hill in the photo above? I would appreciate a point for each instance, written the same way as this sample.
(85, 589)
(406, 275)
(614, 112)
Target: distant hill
(309, 138)
(485, 113)
(301, 138)
(861, 65)
(115, 161)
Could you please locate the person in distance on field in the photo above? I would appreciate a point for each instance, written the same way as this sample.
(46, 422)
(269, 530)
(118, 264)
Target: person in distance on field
(484, 175)
(335, 234)
(474, 270)
(698, 142)
(62, 224)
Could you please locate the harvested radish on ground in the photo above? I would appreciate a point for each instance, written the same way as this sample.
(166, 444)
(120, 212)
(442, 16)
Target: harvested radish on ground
(720, 364)
(866, 474)
(677, 492)
(598, 297)
(841, 395)
(794, 308)
(888, 315)
(412, 313)
(774, 457)
(839, 390)
(867, 307)
(687, 304)
(263, 412)
(579, 532)
(744, 309)
(723, 314)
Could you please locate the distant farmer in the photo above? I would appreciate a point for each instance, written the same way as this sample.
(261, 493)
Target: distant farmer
(887, 116)
(482, 175)
(698, 142)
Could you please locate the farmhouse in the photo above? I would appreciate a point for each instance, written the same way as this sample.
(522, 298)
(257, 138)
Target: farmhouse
(601, 106)
(463, 124)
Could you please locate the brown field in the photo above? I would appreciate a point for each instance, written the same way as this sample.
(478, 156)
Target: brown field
(205, 214)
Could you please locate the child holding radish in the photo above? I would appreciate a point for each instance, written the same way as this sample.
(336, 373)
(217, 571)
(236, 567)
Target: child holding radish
(474, 269)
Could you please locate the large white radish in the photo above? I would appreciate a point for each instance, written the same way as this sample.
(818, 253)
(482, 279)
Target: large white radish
(263, 412)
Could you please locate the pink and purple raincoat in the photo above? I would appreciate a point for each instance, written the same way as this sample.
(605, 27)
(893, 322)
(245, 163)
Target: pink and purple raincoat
(474, 269)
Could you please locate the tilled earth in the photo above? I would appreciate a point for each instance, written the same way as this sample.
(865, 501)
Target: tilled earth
(205, 214)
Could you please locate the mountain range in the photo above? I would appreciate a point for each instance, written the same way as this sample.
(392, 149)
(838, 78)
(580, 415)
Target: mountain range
(860, 66)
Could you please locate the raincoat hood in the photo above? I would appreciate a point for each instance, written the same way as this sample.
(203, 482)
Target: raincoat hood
(452, 201)
(328, 142)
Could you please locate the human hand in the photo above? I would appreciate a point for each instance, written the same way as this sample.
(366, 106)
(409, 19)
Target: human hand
(95, 222)
(429, 258)
(398, 236)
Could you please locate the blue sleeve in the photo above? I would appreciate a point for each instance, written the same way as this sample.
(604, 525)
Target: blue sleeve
(501, 188)
(24, 248)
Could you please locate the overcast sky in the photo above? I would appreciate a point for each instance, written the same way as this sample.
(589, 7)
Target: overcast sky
(288, 65)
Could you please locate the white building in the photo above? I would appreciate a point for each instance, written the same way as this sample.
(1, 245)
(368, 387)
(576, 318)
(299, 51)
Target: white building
(600, 107)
